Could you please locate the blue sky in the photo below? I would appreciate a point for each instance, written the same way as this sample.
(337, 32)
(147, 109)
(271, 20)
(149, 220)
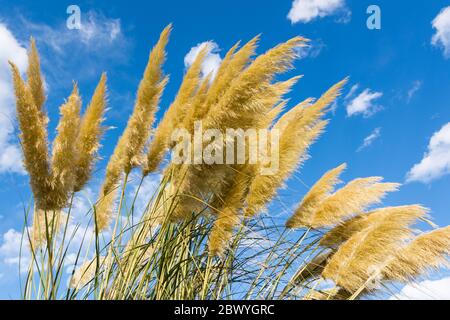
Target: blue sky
(391, 120)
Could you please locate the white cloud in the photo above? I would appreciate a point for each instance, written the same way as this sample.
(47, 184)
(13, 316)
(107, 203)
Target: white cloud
(436, 161)
(78, 54)
(364, 104)
(413, 90)
(97, 27)
(370, 139)
(11, 49)
(10, 249)
(352, 91)
(312, 50)
(425, 290)
(212, 59)
(307, 10)
(441, 38)
(97, 32)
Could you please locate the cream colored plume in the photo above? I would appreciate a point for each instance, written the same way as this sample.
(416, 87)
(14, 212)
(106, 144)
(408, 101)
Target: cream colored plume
(361, 258)
(342, 232)
(46, 225)
(314, 268)
(316, 195)
(235, 107)
(196, 106)
(129, 149)
(35, 82)
(327, 294)
(65, 153)
(232, 65)
(222, 231)
(427, 252)
(229, 214)
(149, 92)
(290, 115)
(91, 130)
(174, 115)
(34, 140)
(352, 199)
(299, 129)
(86, 272)
(239, 107)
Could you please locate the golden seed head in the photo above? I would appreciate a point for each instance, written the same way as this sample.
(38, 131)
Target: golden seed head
(89, 135)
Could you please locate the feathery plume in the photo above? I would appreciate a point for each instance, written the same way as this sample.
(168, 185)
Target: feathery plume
(271, 100)
(174, 115)
(196, 107)
(316, 195)
(35, 82)
(288, 116)
(129, 148)
(428, 251)
(46, 224)
(327, 294)
(342, 232)
(300, 128)
(314, 268)
(293, 145)
(308, 111)
(105, 206)
(232, 65)
(292, 153)
(234, 109)
(149, 92)
(222, 231)
(89, 135)
(364, 254)
(273, 114)
(228, 216)
(33, 138)
(342, 294)
(352, 199)
(86, 272)
(64, 154)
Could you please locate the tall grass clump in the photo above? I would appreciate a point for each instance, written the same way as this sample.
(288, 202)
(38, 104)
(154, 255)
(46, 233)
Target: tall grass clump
(206, 231)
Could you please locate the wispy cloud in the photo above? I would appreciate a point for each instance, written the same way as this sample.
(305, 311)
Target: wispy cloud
(441, 37)
(305, 11)
(75, 53)
(66, 54)
(212, 60)
(11, 49)
(312, 50)
(413, 90)
(96, 33)
(352, 91)
(370, 139)
(436, 161)
(425, 290)
(364, 103)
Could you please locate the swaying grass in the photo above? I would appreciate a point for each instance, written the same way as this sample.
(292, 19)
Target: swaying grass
(203, 233)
